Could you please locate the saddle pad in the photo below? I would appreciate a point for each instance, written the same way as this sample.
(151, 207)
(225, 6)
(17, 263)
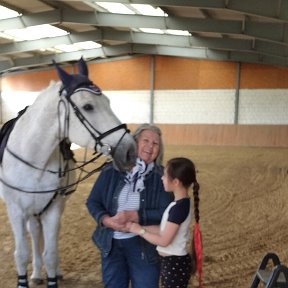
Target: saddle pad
(8, 126)
(6, 130)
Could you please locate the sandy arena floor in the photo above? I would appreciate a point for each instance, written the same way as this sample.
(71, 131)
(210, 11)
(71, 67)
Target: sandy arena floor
(244, 215)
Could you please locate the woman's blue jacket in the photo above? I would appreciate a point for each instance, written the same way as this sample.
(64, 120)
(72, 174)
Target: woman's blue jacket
(103, 200)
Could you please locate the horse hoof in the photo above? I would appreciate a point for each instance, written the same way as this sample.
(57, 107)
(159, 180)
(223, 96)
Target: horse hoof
(60, 277)
(37, 281)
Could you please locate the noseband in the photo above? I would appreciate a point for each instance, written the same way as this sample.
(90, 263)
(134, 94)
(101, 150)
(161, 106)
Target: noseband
(104, 148)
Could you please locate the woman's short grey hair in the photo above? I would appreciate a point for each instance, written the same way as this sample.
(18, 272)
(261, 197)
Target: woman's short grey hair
(156, 130)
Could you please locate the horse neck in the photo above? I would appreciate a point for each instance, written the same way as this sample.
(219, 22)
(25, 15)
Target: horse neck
(35, 135)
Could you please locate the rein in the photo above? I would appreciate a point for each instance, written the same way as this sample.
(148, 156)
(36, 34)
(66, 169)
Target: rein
(53, 171)
(62, 191)
(60, 188)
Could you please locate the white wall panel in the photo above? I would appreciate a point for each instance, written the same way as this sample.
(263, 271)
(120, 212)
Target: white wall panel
(130, 106)
(14, 101)
(263, 106)
(194, 106)
(256, 106)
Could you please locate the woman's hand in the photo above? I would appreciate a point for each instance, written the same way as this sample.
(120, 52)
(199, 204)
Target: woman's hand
(126, 216)
(131, 216)
(119, 221)
(114, 223)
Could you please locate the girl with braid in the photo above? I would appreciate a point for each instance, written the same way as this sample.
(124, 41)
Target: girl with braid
(173, 234)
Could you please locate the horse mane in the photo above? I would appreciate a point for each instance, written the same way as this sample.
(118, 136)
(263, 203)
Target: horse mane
(53, 85)
(46, 97)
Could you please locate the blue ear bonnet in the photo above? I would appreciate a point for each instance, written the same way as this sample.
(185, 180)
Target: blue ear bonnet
(71, 83)
(79, 82)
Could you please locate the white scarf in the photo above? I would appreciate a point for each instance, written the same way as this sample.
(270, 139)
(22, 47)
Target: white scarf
(138, 174)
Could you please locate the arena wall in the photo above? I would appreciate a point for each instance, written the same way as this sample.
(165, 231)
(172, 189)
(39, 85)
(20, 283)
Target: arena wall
(229, 135)
(194, 102)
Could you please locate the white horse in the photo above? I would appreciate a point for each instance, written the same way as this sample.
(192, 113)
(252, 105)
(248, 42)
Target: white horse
(35, 177)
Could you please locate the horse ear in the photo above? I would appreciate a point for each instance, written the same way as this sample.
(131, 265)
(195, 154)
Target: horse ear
(63, 75)
(82, 67)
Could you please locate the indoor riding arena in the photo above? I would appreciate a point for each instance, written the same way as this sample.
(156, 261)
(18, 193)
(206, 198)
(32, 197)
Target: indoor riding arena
(224, 106)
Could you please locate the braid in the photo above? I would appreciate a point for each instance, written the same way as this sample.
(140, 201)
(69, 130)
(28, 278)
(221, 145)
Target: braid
(196, 188)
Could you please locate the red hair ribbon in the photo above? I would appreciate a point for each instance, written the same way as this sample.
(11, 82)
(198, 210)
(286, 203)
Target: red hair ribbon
(198, 252)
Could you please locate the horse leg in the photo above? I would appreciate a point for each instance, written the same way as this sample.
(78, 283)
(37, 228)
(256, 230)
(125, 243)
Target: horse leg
(21, 253)
(35, 229)
(51, 226)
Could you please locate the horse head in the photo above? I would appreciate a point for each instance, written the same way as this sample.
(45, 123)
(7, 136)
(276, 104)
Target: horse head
(93, 123)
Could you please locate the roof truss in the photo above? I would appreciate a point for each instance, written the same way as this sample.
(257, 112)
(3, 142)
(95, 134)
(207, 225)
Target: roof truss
(243, 31)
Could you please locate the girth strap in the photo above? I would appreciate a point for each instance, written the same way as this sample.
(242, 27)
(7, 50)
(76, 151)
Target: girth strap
(62, 192)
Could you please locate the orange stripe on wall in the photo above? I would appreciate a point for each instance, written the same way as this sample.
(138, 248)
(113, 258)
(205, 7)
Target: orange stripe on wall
(170, 73)
(262, 76)
(32, 81)
(182, 73)
(131, 74)
(229, 135)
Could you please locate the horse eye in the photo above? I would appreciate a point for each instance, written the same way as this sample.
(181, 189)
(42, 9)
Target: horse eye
(88, 107)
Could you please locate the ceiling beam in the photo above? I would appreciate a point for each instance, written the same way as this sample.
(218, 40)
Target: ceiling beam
(276, 32)
(7, 66)
(103, 35)
(259, 41)
(269, 8)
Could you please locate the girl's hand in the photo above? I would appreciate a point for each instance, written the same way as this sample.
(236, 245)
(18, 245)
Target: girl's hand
(134, 228)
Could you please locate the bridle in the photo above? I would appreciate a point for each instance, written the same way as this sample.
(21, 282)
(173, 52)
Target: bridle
(98, 136)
